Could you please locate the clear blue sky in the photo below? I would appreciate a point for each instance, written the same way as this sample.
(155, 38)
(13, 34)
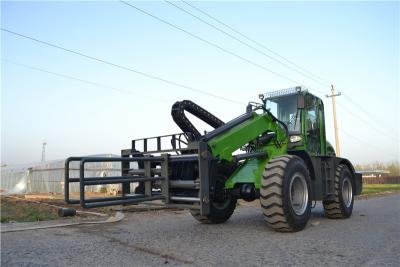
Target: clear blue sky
(353, 45)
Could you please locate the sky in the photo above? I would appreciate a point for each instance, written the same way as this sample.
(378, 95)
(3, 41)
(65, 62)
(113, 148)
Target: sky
(353, 45)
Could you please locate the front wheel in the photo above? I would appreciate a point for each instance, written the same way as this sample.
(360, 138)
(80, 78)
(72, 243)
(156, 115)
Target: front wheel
(285, 194)
(219, 212)
(222, 203)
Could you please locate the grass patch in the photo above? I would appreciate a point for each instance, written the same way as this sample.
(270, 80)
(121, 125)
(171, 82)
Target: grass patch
(22, 211)
(379, 188)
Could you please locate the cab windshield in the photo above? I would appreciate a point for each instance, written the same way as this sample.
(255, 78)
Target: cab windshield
(285, 109)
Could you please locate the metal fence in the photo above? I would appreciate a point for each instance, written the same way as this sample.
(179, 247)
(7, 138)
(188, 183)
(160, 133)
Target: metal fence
(382, 180)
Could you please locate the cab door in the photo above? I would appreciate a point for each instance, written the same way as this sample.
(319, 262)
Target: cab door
(312, 125)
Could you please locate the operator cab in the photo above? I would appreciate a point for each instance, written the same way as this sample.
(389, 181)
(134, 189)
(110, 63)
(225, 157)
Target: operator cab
(303, 114)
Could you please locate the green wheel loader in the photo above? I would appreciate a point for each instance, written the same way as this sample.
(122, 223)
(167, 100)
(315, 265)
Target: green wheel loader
(276, 152)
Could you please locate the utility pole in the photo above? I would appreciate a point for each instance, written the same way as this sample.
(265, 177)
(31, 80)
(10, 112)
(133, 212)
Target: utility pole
(44, 151)
(333, 96)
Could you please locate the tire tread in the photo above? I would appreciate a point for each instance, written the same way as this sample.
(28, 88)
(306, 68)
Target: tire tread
(271, 194)
(333, 208)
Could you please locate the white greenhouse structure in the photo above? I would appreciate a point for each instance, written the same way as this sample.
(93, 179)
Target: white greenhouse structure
(48, 177)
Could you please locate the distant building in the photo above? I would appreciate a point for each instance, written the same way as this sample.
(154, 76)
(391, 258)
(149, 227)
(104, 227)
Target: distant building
(374, 173)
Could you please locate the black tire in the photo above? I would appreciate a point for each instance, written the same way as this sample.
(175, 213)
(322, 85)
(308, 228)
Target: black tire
(222, 203)
(342, 205)
(283, 176)
(217, 214)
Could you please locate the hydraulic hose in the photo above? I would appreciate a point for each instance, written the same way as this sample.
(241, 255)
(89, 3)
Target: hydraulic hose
(178, 114)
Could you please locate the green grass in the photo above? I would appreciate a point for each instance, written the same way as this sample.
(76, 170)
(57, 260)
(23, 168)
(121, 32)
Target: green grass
(22, 211)
(380, 188)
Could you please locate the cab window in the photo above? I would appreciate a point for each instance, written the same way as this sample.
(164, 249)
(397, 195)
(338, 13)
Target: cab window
(312, 130)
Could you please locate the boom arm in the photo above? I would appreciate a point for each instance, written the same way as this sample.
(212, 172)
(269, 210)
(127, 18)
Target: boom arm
(229, 137)
(235, 134)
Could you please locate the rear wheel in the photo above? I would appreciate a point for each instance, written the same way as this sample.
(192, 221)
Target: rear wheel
(342, 205)
(285, 194)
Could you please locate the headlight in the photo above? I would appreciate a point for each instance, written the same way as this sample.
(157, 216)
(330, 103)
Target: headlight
(295, 138)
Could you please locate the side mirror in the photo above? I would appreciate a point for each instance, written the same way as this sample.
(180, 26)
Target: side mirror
(300, 101)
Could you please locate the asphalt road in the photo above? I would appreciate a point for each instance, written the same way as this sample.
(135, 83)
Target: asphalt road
(371, 237)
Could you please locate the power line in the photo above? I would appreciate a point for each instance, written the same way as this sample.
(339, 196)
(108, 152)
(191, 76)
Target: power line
(363, 110)
(242, 42)
(256, 42)
(216, 46)
(124, 91)
(117, 89)
(142, 73)
(372, 117)
(210, 43)
(81, 80)
(370, 144)
(132, 70)
(146, 74)
(372, 125)
(107, 86)
(154, 77)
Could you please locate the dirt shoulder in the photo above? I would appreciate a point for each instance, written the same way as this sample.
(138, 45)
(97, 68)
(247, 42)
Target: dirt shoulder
(34, 208)
(44, 207)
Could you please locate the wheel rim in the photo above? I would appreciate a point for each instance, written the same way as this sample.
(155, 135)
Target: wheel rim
(298, 194)
(347, 192)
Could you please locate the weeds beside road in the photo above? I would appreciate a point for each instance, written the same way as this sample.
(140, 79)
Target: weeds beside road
(380, 188)
(13, 210)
